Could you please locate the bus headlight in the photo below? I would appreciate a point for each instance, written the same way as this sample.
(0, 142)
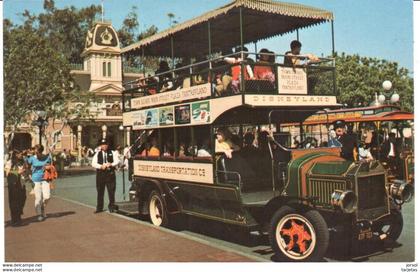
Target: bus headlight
(346, 201)
(401, 191)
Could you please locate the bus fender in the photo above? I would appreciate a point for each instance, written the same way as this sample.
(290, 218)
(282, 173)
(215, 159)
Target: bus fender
(146, 186)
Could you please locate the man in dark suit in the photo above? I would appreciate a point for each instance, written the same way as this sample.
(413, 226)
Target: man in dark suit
(105, 161)
(348, 142)
(390, 151)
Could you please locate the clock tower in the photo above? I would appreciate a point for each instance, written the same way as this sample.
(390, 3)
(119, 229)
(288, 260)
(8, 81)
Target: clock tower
(102, 56)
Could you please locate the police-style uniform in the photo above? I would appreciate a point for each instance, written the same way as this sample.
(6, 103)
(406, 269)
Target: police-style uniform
(105, 177)
(348, 142)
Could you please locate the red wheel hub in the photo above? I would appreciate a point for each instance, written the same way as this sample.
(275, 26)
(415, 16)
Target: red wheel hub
(298, 236)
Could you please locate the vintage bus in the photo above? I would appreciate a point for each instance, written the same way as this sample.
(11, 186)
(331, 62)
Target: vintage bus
(204, 135)
(371, 126)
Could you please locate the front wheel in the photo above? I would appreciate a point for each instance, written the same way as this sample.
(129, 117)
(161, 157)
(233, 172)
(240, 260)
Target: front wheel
(392, 227)
(298, 236)
(157, 210)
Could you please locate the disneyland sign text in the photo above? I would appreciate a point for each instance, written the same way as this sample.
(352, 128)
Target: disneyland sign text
(193, 172)
(194, 92)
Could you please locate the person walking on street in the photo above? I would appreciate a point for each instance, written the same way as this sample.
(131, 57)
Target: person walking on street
(39, 162)
(105, 161)
(16, 186)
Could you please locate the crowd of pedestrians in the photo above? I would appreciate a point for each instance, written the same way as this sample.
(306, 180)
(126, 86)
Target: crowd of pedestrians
(24, 168)
(28, 170)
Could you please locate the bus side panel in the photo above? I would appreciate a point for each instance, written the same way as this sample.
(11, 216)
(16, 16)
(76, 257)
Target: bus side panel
(198, 199)
(230, 201)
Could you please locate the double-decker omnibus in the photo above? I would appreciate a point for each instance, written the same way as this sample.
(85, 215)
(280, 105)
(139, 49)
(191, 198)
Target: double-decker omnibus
(371, 126)
(204, 131)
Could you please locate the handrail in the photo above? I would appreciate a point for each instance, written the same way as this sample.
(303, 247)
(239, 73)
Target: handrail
(220, 58)
(234, 173)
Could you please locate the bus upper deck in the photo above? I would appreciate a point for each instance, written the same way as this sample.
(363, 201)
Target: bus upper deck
(203, 66)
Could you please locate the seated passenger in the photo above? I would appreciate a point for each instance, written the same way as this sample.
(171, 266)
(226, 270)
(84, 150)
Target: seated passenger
(204, 150)
(154, 149)
(236, 69)
(182, 76)
(163, 76)
(200, 71)
(364, 152)
(152, 86)
(183, 150)
(168, 150)
(224, 144)
(262, 69)
(293, 57)
(249, 150)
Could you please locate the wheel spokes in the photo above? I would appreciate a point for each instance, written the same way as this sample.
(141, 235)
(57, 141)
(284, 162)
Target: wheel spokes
(297, 235)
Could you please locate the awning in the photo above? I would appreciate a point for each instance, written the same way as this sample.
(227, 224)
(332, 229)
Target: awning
(262, 19)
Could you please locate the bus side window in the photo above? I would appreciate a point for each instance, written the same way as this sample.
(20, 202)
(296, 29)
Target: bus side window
(167, 144)
(202, 144)
(153, 150)
(183, 143)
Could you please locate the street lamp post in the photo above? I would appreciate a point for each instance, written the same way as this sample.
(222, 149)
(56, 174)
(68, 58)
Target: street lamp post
(41, 122)
(121, 128)
(391, 97)
(388, 98)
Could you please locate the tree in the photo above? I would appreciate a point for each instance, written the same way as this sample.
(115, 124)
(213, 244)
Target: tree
(37, 77)
(171, 17)
(359, 78)
(65, 28)
(127, 33)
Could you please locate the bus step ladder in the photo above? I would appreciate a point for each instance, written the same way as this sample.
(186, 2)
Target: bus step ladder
(128, 207)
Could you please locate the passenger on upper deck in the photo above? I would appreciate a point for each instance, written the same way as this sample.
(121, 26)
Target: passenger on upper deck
(262, 69)
(224, 143)
(293, 57)
(183, 79)
(236, 69)
(200, 71)
(164, 75)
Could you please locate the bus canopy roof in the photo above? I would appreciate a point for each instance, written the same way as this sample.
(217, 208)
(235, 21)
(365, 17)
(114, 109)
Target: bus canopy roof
(262, 19)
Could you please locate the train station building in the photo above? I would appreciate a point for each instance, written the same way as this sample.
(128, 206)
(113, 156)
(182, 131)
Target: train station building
(101, 73)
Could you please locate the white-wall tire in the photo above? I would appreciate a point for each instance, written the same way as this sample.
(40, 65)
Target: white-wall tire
(157, 210)
(298, 236)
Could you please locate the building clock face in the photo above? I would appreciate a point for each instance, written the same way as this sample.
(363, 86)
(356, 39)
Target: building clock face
(105, 36)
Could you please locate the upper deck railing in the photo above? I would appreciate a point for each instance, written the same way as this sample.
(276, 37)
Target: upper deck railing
(230, 75)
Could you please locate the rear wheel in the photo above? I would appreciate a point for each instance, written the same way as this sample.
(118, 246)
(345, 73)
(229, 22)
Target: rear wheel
(157, 210)
(298, 236)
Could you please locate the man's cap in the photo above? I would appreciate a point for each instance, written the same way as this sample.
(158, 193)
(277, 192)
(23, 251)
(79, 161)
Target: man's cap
(103, 141)
(339, 124)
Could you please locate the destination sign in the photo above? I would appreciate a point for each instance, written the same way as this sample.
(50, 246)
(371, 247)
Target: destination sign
(192, 172)
(292, 81)
(194, 92)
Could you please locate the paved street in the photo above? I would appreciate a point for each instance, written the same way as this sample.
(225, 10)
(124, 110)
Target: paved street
(197, 240)
(72, 233)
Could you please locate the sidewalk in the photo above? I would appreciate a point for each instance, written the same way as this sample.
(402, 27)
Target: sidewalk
(72, 233)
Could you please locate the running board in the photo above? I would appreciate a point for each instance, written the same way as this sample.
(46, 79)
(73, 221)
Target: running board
(130, 208)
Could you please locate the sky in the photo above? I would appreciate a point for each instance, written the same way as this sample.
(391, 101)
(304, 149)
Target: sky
(374, 28)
